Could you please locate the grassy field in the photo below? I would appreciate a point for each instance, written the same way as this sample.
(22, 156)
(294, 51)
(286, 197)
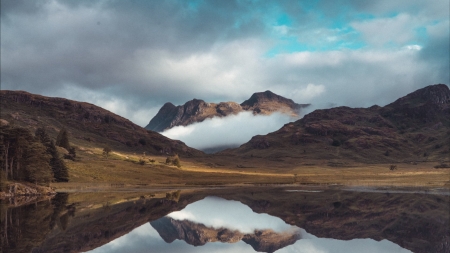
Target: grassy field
(92, 171)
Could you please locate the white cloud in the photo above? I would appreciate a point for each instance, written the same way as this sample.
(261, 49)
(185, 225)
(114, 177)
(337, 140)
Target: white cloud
(378, 32)
(413, 47)
(281, 29)
(228, 131)
(312, 244)
(309, 93)
(220, 213)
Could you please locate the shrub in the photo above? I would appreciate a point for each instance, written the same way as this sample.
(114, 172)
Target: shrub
(106, 151)
(175, 196)
(336, 143)
(72, 152)
(141, 162)
(176, 161)
(442, 165)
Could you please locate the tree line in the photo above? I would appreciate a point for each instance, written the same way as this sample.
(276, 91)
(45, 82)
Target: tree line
(25, 156)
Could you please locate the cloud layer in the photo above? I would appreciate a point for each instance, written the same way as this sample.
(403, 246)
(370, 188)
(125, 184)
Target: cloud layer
(230, 131)
(132, 57)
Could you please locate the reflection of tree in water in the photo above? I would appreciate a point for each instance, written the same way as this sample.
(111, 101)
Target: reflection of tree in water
(25, 227)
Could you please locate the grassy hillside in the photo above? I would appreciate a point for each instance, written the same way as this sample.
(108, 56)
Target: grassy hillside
(88, 125)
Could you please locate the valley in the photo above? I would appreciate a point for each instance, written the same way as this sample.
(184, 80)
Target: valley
(410, 134)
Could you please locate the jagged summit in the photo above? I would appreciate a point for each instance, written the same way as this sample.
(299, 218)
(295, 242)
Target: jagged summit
(438, 94)
(265, 102)
(261, 97)
(197, 110)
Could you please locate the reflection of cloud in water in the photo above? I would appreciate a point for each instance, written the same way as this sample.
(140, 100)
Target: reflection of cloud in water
(217, 212)
(312, 244)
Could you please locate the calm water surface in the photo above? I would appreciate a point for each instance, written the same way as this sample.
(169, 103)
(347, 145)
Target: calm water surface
(232, 220)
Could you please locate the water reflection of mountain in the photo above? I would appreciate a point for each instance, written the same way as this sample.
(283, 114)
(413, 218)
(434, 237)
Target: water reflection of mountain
(198, 234)
(418, 222)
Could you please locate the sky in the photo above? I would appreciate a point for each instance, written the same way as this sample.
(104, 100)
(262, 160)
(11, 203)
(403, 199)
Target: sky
(131, 57)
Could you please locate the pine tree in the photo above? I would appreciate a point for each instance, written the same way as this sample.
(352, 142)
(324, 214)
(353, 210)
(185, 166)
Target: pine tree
(37, 168)
(62, 140)
(59, 168)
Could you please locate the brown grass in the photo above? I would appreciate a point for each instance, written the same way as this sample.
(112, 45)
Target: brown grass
(122, 172)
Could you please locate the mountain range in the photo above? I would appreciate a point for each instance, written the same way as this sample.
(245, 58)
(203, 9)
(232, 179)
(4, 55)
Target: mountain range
(196, 110)
(413, 128)
(198, 234)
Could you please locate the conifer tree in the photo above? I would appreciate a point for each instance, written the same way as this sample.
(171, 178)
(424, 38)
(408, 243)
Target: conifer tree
(59, 168)
(62, 140)
(38, 169)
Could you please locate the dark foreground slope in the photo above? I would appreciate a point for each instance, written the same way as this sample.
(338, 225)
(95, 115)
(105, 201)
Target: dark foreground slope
(413, 128)
(88, 125)
(196, 110)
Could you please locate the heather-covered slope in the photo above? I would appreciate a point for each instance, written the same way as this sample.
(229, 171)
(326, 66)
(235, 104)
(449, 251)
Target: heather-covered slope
(413, 128)
(88, 125)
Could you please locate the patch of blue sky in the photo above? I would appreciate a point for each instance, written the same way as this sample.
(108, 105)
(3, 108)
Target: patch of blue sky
(390, 14)
(338, 36)
(284, 19)
(309, 5)
(421, 34)
(363, 16)
(292, 45)
(193, 5)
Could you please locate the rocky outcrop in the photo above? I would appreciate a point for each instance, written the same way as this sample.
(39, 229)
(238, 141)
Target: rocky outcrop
(19, 189)
(198, 110)
(191, 112)
(18, 194)
(268, 102)
(198, 234)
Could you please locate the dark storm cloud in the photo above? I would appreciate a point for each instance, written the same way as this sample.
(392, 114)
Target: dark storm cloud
(92, 44)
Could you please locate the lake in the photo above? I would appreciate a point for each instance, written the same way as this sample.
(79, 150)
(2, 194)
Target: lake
(245, 219)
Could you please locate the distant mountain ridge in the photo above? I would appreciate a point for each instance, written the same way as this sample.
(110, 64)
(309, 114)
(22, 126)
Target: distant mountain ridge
(415, 127)
(197, 110)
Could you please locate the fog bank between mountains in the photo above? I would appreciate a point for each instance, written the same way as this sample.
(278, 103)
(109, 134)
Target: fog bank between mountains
(231, 131)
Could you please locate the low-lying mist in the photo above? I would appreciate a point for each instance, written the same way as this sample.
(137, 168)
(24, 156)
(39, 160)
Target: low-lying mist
(215, 134)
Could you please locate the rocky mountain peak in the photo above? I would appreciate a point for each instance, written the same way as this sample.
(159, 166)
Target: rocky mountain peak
(197, 110)
(438, 94)
(266, 96)
(198, 234)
